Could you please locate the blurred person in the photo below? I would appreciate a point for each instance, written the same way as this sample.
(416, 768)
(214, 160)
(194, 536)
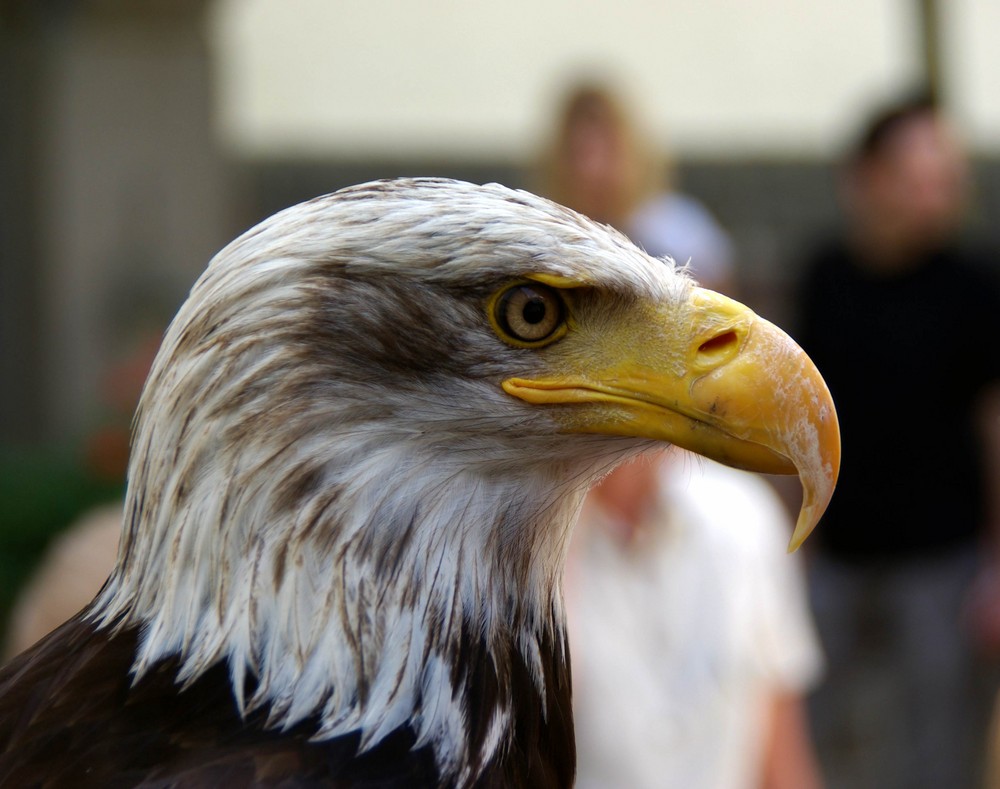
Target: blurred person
(601, 165)
(690, 658)
(690, 632)
(77, 560)
(72, 570)
(898, 315)
(992, 770)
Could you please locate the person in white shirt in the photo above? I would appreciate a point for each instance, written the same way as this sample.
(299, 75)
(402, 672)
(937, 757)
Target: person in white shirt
(690, 633)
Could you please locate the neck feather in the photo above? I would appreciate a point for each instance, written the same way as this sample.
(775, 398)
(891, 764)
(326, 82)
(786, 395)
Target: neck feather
(365, 604)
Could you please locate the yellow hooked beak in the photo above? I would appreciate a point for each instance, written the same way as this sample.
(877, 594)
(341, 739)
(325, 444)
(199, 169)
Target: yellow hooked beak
(710, 376)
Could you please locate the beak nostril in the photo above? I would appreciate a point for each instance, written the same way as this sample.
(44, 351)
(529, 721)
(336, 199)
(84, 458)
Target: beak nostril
(719, 346)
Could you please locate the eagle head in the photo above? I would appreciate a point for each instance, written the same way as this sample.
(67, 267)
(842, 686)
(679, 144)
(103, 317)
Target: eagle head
(367, 435)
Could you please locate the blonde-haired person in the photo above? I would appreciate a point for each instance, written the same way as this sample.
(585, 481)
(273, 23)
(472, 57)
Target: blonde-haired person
(689, 626)
(690, 632)
(600, 163)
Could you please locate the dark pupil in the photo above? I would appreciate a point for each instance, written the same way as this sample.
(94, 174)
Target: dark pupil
(534, 311)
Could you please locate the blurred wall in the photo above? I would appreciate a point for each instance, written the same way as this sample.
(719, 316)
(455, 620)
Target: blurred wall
(113, 189)
(473, 78)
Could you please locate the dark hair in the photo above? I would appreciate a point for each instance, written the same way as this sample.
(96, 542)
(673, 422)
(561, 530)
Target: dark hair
(887, 121)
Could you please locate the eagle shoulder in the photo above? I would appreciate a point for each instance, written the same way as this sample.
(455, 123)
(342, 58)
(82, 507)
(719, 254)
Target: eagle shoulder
(71, 717)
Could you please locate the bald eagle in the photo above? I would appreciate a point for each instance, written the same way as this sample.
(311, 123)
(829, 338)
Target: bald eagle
(355, 465)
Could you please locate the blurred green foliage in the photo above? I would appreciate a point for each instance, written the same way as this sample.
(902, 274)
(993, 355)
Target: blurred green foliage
(42, 491)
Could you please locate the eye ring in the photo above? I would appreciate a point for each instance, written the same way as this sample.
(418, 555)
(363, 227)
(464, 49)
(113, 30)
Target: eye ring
(529, 314)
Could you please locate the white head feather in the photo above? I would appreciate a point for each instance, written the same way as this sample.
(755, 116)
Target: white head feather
(328, 510)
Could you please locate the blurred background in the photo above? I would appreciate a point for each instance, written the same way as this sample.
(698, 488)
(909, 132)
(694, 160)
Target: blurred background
(137, 138)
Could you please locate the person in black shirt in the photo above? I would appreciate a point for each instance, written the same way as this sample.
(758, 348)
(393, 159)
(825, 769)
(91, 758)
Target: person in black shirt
(900, 318)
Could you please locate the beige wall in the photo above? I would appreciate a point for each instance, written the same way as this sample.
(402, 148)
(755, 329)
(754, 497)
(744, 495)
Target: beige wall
(132, 193)
(478, 77)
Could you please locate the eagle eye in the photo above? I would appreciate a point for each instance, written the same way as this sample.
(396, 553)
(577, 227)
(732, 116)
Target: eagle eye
(530, 314)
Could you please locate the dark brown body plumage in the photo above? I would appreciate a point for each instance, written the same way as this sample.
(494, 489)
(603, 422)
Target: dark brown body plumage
(70, 718)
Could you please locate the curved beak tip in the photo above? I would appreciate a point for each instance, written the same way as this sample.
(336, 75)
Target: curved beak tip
(808, 518)
(818, 482)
